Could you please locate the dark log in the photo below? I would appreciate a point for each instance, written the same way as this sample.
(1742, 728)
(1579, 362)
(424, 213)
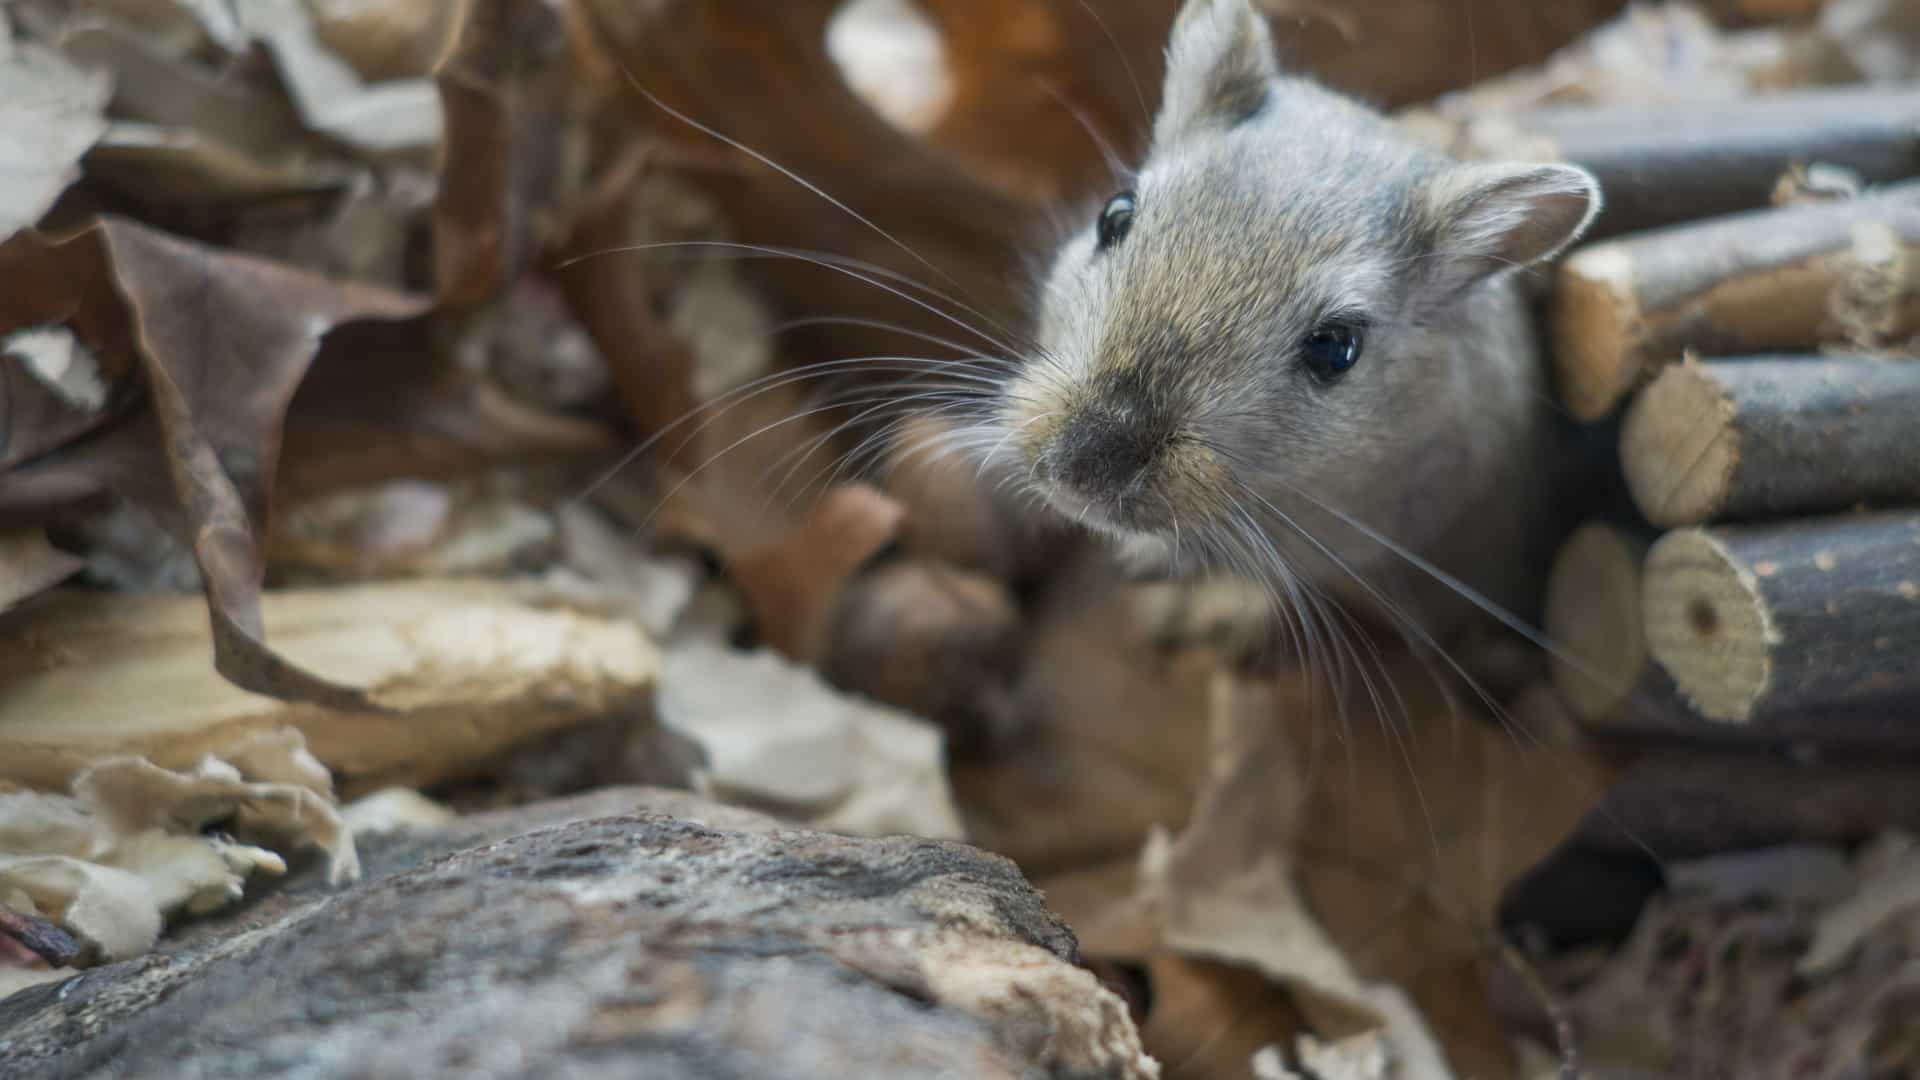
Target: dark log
(1681, 163)
(1760, 622)
(1765, 281)
(1684, 804)
(626, 933)
(1772, 436)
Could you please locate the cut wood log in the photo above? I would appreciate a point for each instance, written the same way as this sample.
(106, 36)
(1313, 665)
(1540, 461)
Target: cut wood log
(1593, 618)
(1762, 621)
(1772, 436)
(1688, 162)
(1610, 682)
(1765, 281)
(464, 670)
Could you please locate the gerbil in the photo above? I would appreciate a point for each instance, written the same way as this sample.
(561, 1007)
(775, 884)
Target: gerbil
(1299, 328)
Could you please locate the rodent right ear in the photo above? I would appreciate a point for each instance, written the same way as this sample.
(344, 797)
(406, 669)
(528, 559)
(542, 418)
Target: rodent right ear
(1219, 61)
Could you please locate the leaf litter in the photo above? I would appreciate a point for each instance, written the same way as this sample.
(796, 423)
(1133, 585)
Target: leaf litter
(364, 307)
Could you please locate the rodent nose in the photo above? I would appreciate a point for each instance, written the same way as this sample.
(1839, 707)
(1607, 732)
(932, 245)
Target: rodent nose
(1100, 455)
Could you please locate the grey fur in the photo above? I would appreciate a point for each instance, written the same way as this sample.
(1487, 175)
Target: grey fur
(1267, 205)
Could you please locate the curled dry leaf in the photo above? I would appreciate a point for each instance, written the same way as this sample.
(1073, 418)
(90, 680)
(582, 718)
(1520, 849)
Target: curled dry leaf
(221, 341)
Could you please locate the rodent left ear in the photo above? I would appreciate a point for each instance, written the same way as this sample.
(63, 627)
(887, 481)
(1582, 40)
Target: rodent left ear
(1487, 219)
(1219, 61)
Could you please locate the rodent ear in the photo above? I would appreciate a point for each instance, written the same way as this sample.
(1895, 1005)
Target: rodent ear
(1219, 60)
(1487, 219)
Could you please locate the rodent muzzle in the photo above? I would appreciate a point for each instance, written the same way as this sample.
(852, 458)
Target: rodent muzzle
(1100, 456)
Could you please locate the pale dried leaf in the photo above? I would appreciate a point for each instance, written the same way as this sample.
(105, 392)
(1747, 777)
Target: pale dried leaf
(50, 113)
(776, 736)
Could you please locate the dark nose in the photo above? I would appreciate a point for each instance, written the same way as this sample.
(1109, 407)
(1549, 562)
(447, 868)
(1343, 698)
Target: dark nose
(1099, 455)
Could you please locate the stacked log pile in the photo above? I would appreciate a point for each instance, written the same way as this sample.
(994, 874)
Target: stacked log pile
(1748, 318)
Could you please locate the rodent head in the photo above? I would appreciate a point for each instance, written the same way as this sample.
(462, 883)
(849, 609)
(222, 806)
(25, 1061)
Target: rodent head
(1262, 308)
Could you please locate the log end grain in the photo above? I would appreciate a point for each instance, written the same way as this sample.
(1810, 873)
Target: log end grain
(1679, 445)
(1595, 317)
(1707, 624)
(1593, 617)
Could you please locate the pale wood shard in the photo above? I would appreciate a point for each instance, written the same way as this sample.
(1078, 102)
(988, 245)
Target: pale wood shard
(464, 670)
(1772, 436)
(1764, 281)
(1689, 161)
(1764, 621)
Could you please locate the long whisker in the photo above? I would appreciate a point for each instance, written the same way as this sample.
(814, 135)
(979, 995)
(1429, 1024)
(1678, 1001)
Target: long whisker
(786, 172)
(864, 272)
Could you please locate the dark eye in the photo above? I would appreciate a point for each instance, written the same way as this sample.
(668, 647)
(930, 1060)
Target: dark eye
(1115, 220)
(1331, 350)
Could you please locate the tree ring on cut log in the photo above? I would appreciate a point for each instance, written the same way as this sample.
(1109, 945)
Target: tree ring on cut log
(1594, 620)
(1596, 330)
(1707, 624)
(1685, 417)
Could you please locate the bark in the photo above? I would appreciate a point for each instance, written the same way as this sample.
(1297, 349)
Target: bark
(1773, 436)
(1703, 160)
(553, 941)
(1769, 280)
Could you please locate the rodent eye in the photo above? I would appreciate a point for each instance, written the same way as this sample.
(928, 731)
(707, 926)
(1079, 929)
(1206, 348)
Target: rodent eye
(1331, 350)
(1115, 220)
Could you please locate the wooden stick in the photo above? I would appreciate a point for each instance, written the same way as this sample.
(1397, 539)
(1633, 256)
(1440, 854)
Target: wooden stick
(1593, 617)
(1760, 622)
(1765, 281)
(1772, 436)
(1613, 685)
(1698, 161)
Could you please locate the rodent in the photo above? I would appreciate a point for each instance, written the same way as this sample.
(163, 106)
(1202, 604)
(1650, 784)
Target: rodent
(1299, 310)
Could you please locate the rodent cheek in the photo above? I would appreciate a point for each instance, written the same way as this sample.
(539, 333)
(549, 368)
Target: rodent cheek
(1032, 411)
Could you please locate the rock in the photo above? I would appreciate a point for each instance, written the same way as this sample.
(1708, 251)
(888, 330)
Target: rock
(672, 938)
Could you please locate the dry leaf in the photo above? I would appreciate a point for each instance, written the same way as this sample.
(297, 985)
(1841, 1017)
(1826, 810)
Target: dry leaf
(384, 117)
(776, 736)
(50, 113)
(1108, 742)
(223, 342)
(793, 582)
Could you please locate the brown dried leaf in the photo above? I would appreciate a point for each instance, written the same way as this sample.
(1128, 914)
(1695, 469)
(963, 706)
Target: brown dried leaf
(1403, 832)
(504, 91)
(386, 400)
(223, 342)
(793, 583)
(1110, 739)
